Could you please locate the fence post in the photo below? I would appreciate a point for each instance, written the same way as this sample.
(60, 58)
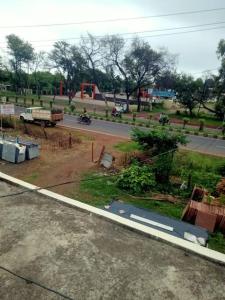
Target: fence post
(24, 101)
(41, 103)
(16, 99)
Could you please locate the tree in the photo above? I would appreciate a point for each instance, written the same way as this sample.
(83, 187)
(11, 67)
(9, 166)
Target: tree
(114, 53)
(220, 82)
(189, 91)
(38, 62)
(91, 50)
(142, 65)
(215, 86)
(68, 60)
(160, 145)
(22, 54)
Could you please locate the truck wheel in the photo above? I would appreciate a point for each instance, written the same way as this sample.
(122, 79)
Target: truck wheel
(22, 119)
(53, 124)
(43, 124)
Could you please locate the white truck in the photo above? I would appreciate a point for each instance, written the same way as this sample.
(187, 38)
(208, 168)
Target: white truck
(40, 115)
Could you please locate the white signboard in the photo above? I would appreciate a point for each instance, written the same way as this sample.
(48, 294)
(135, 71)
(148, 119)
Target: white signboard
(7, 109)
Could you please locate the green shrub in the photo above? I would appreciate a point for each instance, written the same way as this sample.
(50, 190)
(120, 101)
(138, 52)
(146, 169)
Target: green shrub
(201, 124)
(185, 122)
(8, 122)
(215, 136)
(72, 107)
(207, 180)
(205, 134)
(223, 128)
(187, 131)
(196, 133)
(217, 242)
(136, 179)
(221, 169)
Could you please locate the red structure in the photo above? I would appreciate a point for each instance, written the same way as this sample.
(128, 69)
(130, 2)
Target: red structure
(82, 88)
(61, 88)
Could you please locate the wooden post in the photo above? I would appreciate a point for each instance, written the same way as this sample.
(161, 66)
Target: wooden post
(70, 141)
(92, 152)
(101, 154)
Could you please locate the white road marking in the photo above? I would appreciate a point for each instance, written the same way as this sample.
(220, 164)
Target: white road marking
(151, 222)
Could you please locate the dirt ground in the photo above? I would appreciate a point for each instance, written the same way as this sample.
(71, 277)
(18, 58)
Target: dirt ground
(58, 162)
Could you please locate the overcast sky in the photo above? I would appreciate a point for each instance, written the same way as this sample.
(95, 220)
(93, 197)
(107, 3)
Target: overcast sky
(196, 50)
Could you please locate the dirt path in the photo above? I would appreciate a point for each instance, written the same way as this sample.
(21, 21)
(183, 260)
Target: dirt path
(61, 164)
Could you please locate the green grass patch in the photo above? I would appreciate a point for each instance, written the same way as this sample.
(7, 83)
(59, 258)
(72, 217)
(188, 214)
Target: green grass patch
(217, 242)
(209, 119)
(102, 190)
(31, 178)
(127, 146)
(198, 161)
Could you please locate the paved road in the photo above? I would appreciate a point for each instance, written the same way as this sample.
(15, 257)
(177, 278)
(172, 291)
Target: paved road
(196, 143)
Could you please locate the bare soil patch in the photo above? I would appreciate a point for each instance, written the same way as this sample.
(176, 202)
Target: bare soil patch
(65, 155)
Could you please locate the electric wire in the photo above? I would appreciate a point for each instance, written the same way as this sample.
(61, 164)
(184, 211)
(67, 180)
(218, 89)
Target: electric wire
(31, 281)
(136, 33)
(114, 20)
(127, 33)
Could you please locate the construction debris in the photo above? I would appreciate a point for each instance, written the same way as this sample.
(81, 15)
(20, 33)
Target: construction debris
(107, 160)
(210, 217)
(16, 151)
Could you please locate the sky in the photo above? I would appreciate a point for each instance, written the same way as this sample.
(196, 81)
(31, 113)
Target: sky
(196, 50)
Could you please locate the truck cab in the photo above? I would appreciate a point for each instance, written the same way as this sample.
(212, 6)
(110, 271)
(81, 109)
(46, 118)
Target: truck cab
(27, 115)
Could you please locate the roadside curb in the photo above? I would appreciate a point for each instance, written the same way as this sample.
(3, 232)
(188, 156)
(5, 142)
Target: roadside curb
(150, 232)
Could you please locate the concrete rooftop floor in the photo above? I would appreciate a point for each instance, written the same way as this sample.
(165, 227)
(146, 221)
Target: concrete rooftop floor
(86, 257)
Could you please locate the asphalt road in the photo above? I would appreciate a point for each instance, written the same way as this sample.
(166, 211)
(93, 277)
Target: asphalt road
(196, 143)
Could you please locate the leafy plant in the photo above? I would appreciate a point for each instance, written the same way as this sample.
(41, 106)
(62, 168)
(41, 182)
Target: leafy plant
(136, 179)
(185, 122)
(221, 169)
(217, 242)
(72, 107)
(223, 128)
(158, 141)
(201, 124)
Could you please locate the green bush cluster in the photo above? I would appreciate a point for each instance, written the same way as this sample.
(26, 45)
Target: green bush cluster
(136, 179)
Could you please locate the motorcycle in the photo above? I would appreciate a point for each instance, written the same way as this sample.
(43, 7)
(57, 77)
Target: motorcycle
(116, 114)
(82, 119)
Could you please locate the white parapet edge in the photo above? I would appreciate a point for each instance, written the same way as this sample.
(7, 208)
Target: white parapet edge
(186, 245)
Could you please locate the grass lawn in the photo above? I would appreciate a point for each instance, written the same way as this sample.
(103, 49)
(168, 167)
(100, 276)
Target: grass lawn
(127, 147)
(102, 190)
(217, 242)
(209, 120)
